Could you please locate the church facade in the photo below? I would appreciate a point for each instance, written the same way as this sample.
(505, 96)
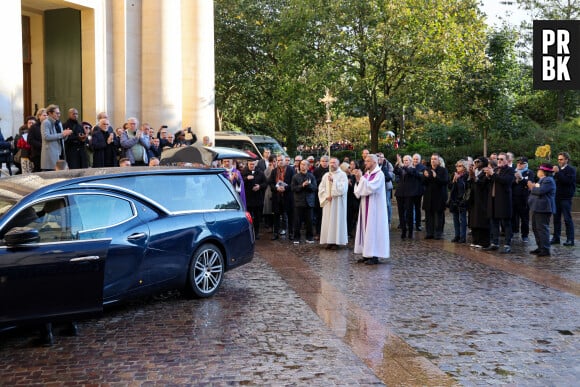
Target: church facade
(150, 59)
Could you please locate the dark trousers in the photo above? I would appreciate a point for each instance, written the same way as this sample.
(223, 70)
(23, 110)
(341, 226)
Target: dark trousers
(303, 214)
(506, 224)
(434, 223)
(417, 209)
(405, 209)
(352, 217)
(256, 212)
(521, 215)
(318, 215)
(480, 236)
(541, 229)
(36, 161)
(281, 213)
(564, 208)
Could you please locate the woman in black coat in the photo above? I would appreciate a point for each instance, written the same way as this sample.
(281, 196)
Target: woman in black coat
(477, 205)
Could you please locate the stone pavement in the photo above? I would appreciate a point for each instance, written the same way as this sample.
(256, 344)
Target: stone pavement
(434, 314)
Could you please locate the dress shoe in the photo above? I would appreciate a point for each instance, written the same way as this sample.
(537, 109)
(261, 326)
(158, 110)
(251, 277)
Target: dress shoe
(275, 236)
(429, 237)
(438, 238)
(418, 228)
(535, 251)
(568, 243)
(455, 240)
(555, 241)
(403, 235)
(543, 253)
(506, 249)
(491, 247)
(372, 261)
(71, 330)
(362, 260)
(461, 240)
(46, 338)
(410, 235)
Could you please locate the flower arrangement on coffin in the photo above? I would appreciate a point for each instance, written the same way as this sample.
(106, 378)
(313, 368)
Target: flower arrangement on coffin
(544, 151)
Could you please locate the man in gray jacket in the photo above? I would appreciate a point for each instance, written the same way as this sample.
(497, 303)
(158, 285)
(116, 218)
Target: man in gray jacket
(135, 142)
(53, 136)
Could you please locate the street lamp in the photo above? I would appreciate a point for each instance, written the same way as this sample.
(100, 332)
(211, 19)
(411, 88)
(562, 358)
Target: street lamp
(328, 100)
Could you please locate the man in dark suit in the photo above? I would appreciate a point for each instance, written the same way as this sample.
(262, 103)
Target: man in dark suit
(280, 181)
(435, 179)
(255, 185)
(565, 176)
(499, 204)
(76, 155)
(262, 165)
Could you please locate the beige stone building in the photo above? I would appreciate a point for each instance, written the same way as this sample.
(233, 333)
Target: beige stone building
(151, 59)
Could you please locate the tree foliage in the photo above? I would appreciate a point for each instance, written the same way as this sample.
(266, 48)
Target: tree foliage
(380, 58)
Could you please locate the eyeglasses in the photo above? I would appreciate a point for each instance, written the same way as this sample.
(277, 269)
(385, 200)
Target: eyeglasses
(501, 158)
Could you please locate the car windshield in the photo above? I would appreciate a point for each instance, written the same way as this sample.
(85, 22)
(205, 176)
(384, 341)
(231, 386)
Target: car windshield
(273, 146)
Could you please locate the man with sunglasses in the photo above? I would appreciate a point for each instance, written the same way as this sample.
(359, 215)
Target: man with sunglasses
(565, 176)
(499, 204)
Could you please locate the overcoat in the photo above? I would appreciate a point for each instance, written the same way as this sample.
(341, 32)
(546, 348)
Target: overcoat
(435, 194)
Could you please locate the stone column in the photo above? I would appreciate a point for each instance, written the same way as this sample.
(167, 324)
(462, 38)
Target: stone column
(198, 67)
(11, 101)
(133, 57)
(161, 63)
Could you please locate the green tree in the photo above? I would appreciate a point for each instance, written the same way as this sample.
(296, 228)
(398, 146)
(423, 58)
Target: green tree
(391, 54)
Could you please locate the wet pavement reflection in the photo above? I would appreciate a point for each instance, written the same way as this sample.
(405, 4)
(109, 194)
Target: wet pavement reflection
(480, 317)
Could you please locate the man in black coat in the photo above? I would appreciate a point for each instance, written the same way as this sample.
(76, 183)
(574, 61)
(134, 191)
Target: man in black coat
(76, 155)
(254, 184)
(565, 176)
(435, 179)
(499, 204)
(279, 182)
(262, 165)
(305, 190)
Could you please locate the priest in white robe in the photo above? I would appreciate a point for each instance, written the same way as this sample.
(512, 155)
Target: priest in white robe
(332, 193)
(372, 232)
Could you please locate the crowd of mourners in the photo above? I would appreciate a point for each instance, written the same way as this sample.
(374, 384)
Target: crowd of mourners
(45, 143)
(492, 200)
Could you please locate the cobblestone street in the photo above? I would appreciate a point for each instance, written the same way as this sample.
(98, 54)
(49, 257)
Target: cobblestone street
(435, 313)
